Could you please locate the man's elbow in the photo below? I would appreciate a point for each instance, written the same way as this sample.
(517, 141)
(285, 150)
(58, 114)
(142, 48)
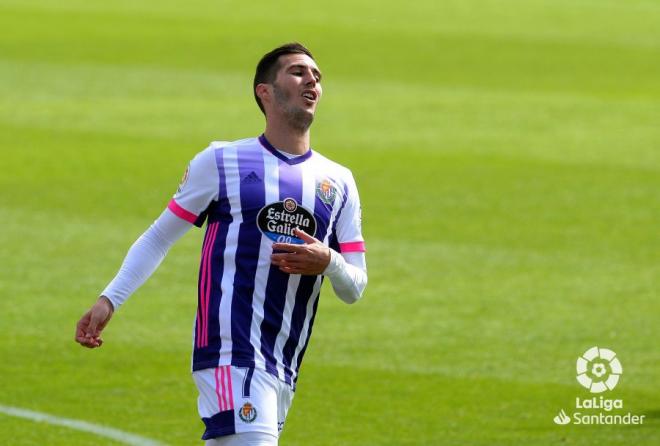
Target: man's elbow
(350, 298)
(352, 295)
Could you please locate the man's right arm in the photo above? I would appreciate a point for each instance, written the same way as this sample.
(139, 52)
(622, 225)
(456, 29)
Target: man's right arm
(141, 261)
(197, 190)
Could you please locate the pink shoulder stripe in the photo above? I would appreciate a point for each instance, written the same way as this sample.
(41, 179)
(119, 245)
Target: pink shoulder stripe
(352, 247)
(181, 212)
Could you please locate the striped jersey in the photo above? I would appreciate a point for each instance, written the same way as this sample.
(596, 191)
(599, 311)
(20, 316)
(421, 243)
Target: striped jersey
(251, 314)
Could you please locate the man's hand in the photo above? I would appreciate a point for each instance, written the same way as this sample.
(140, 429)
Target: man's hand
(310, 258)
(90, 326)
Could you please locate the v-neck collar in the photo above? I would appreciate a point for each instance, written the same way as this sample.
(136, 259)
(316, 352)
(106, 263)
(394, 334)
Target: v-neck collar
(295, 160)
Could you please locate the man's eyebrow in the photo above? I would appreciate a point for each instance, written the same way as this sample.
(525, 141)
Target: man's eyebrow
(314, 70)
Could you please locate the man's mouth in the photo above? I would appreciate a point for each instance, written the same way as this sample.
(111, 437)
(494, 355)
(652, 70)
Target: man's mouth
(310, 95)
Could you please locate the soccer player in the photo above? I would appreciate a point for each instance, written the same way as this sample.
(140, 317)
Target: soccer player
(279, 218)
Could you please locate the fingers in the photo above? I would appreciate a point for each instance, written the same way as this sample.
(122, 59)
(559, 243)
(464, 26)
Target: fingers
(310, 258)
(297, 264)
(292, 247)
(90, 326)
(287, 262)
(99, 317)
(82, 325)
(304, 236)
(82, 331)
(286, 257)
(88, 341)
(293, 268)
(290, 259)
(302, 270)
(91, 342)
(288, 247)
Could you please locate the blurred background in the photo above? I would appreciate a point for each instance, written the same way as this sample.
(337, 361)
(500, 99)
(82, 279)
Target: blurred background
(507, 156)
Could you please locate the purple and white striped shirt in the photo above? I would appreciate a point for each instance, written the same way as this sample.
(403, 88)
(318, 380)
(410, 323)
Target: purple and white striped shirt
(251, 314)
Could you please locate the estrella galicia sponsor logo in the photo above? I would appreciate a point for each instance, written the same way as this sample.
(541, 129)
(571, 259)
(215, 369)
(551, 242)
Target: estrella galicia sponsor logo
(326, 191)
(247, 413)
(278, 220)
(598, 370)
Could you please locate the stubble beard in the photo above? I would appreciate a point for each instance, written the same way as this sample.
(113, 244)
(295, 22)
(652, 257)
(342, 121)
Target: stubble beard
(296, 117)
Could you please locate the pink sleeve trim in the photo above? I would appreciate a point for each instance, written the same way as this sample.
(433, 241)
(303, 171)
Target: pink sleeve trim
(352, 247)
(181, 212)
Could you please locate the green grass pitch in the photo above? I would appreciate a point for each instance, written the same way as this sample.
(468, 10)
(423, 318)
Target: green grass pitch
(508, 157)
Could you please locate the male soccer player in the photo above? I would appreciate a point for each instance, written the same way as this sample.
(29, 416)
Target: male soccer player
(279, 217)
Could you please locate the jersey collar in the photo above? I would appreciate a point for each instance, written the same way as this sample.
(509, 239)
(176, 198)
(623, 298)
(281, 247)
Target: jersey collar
(295, 160)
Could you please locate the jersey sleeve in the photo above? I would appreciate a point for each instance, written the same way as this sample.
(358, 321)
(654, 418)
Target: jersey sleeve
(348, 274)
(198, 188)
(349, 221)
(143, 258)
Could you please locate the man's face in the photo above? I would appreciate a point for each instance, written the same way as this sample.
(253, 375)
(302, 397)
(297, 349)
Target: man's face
(297, 89)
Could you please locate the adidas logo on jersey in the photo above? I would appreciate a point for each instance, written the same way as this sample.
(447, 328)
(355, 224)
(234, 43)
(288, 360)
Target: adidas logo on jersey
(251, 178)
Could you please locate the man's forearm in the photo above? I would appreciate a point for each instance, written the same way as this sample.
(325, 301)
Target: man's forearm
(144, 256)
(348, 275)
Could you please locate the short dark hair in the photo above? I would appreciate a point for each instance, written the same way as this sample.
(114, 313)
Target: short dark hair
(269, 65)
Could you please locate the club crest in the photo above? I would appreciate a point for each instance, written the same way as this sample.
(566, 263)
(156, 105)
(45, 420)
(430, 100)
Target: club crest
(326, 191)
(247, 413)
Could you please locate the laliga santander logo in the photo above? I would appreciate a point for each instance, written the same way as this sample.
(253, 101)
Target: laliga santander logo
(598, 369)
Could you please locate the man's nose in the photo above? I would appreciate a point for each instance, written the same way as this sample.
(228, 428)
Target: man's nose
(310, 79)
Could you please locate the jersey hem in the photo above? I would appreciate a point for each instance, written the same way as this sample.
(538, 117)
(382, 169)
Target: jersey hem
(203, 365)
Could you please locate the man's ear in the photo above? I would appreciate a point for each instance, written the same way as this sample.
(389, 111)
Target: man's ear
(263, 92)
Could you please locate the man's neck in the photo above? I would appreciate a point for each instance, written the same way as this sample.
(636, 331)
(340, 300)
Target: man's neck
(288, 140)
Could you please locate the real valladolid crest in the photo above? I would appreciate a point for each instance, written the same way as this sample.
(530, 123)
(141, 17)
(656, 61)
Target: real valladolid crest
(598, 370)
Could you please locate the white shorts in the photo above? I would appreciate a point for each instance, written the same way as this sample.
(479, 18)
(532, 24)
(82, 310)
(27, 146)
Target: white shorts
(236, 399)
